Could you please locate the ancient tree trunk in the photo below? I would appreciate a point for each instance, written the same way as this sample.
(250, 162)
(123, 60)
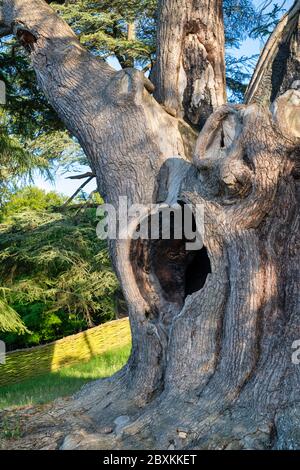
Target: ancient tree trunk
(189, 74)
(213, 329)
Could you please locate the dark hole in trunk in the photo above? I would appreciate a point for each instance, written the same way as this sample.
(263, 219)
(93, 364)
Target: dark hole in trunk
(197, 271)
(178, 272)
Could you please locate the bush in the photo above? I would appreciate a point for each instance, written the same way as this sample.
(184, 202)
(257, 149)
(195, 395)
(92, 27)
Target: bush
(31, 199)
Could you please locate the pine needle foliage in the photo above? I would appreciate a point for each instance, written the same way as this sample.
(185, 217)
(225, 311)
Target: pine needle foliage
(9, 319)
(54, 271)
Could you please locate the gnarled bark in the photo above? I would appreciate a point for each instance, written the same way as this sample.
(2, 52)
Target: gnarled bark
(189, 74)
(213, 329)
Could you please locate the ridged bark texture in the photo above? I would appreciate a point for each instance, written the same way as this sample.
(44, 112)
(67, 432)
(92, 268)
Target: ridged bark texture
(189, 74)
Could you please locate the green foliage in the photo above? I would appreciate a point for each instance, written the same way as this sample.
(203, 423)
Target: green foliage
(269, 12)
(16, 162)
(103, 28)
(9, 318)
(27, 120)
(55, 272)
(31, 198)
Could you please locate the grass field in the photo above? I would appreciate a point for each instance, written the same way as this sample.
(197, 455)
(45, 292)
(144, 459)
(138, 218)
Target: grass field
(66, 381)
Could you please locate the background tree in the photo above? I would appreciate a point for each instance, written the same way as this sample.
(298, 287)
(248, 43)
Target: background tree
(212, 332)
(17, 164)
(55, 275)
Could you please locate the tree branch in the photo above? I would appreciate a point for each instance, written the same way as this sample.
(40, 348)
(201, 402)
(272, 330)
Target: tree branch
(77, 192)
(65, 70)
(278, 66)
(99, 105)
(84, 175)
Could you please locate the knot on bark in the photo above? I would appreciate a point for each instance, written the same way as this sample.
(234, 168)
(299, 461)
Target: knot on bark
(236, 177)
(220, 154)
(129, 83)
(286, 114)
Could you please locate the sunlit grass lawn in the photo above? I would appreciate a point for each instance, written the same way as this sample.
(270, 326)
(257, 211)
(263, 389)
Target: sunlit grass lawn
(66, 381)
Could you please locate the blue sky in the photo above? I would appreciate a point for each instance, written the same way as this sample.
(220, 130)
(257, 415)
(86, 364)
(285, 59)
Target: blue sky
(68, 187)
(254, 46)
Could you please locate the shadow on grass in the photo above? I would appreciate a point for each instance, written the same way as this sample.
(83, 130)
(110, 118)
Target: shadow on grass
(66, 381)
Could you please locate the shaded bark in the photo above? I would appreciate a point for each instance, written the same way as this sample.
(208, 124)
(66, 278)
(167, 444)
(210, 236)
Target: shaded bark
(212, 330)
